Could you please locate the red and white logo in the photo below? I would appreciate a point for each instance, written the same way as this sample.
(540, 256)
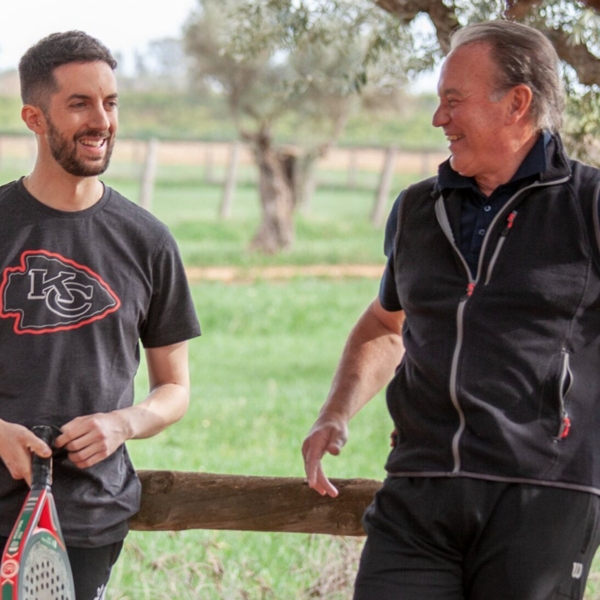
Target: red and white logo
(10, 568)
(48, 292)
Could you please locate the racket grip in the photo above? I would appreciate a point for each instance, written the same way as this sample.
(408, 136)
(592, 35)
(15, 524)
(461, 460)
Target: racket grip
(41, 468)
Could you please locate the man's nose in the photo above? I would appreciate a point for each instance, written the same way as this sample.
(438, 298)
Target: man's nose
(440, 117)
(99, 119)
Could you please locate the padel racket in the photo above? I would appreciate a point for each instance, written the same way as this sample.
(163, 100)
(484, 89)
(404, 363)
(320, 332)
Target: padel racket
(35, 564)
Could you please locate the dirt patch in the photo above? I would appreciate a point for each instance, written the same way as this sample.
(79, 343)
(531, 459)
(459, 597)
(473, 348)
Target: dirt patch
(243, 275)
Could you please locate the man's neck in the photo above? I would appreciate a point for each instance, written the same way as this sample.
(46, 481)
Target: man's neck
(62, 191)
(519, 149)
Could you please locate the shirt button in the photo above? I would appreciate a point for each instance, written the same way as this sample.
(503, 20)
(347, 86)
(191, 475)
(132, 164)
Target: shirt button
(481, 232)
(487, 208)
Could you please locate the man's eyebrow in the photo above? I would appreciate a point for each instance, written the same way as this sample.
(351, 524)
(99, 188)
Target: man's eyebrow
(452, 92)
(86, 97)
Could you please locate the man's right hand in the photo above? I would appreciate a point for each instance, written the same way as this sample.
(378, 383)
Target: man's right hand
(17, 443)
(328, 434)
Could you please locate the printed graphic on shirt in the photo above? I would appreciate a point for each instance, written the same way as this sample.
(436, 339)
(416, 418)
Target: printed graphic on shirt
(49, 293)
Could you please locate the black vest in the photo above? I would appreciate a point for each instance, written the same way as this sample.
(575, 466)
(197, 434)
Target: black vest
(501, 375)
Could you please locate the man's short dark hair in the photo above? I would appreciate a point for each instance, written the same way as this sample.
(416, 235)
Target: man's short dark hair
(36, 68)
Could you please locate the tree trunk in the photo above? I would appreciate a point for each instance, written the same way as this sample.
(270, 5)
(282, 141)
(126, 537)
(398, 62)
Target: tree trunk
(276, 230)
(385, 185)
(304, 176)
(230, 181)
(149, 174)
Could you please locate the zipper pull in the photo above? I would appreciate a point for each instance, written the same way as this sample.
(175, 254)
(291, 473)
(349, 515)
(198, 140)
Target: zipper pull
(565, 428)
(470, 289)
(510, 221)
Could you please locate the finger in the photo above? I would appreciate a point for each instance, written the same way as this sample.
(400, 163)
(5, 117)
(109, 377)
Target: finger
(69, 431)
(312, 460)
(20, 470)
(323, 485)
(76, 439)
(337, 441)
(86, 458)
(40, 448)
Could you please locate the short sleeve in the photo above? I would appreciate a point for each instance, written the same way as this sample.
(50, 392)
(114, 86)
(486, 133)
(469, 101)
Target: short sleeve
(388, 295)
(171, 316)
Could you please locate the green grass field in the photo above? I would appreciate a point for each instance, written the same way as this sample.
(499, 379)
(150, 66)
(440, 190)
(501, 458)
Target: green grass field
(260, 373)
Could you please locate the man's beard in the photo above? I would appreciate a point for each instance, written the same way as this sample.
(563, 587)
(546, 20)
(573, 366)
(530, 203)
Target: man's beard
(65, 152)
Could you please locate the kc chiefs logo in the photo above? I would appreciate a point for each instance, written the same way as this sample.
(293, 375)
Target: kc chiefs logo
(48, 293)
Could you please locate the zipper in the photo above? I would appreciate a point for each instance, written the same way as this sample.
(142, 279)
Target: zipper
(462, 422)
(509, 224)
(442, 217)
(564, 386)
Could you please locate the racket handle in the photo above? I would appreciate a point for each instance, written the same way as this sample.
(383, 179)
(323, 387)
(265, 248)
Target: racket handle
(41, 468)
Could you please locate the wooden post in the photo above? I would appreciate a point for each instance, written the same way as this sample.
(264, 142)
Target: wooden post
(32, 143)
(309, 189)
(149, 174)
(209, 176)
(352, 168)
(425, 164)
(173, 501)
(230, 181)
(385, 185)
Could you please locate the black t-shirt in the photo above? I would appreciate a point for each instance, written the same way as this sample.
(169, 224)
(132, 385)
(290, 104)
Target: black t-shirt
(78, 291)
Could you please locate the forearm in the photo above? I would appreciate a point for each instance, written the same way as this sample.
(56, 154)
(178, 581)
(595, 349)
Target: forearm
(165, 405)
(372, 353)
(92, 438)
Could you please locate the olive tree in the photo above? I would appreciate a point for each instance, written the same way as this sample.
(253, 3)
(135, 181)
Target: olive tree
(290, 72)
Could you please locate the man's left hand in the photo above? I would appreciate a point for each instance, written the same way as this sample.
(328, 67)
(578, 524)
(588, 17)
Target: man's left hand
(92, 438)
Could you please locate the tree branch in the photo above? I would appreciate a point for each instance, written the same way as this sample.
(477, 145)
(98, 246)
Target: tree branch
(586, 64)
(442, 16)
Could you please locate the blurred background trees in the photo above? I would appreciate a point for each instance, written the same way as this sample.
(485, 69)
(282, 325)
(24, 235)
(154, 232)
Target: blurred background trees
(291, 78)
(311, 62)
(293, 67)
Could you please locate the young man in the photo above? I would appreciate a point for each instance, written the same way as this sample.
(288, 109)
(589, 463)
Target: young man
(487, 325)
(84, 276)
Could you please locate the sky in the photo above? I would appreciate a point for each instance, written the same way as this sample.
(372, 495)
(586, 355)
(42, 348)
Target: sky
(123, 25)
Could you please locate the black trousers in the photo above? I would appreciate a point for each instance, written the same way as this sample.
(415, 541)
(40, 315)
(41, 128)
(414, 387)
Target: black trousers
(468, 539)
(91, 568)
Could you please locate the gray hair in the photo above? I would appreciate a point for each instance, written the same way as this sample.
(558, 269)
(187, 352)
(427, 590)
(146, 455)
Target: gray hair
(523, 56)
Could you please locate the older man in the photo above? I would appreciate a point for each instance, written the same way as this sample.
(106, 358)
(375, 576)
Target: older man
(487, 324)
(85, 275)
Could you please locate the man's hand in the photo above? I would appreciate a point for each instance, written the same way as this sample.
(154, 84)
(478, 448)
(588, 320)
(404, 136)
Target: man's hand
(328, 434)
(92, 438)
(17, 443)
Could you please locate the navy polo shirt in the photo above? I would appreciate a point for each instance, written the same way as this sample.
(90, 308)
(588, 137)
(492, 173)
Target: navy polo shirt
(477, 212)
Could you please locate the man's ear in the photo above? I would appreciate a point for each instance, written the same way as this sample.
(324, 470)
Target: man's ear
(520, 98)
(33, 117)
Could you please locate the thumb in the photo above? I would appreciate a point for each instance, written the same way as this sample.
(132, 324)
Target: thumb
(337, 441)
(39, 447)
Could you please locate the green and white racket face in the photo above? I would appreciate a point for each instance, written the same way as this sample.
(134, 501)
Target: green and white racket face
(45, 572)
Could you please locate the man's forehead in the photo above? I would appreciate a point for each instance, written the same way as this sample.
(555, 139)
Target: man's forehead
(85, 78)
(464, 68)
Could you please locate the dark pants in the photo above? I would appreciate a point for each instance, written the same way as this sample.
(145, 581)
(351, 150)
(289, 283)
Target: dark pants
(91, 568)
(467, 539)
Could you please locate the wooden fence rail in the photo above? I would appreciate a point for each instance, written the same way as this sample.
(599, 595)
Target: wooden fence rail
(174, 500)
